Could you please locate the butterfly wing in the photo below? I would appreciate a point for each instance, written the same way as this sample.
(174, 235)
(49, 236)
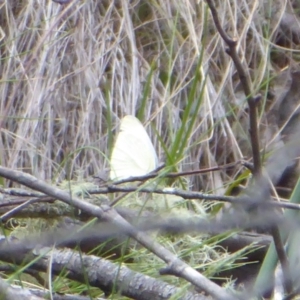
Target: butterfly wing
(133, 153)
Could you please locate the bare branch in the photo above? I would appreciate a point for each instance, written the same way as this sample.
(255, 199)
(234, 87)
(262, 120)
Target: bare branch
(253, 130)
(245, 81)
(100, 272)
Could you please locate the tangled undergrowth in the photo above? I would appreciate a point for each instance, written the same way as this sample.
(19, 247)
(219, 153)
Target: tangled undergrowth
(71, 71)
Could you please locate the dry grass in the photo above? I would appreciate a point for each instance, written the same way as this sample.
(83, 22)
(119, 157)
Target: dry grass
(70, 72)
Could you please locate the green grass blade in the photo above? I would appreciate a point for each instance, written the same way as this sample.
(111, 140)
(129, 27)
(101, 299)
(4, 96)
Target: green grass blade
(267, 269)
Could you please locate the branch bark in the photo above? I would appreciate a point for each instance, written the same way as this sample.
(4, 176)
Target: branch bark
(99, 272)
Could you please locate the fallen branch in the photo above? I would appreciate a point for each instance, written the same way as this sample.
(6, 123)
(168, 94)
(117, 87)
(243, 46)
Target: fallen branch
(98, 272)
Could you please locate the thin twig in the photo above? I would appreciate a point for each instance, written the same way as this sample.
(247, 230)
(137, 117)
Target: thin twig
(286, 272)
(155, 174)
(245, 81)
(189, 195)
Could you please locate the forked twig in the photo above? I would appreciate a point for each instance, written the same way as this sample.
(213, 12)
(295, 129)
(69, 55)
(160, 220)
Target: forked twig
(245, 81)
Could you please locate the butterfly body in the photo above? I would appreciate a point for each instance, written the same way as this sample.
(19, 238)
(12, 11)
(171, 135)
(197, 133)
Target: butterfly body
(133, 153)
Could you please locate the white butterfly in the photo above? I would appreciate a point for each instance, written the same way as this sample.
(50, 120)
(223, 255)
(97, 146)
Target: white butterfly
(133, 153)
